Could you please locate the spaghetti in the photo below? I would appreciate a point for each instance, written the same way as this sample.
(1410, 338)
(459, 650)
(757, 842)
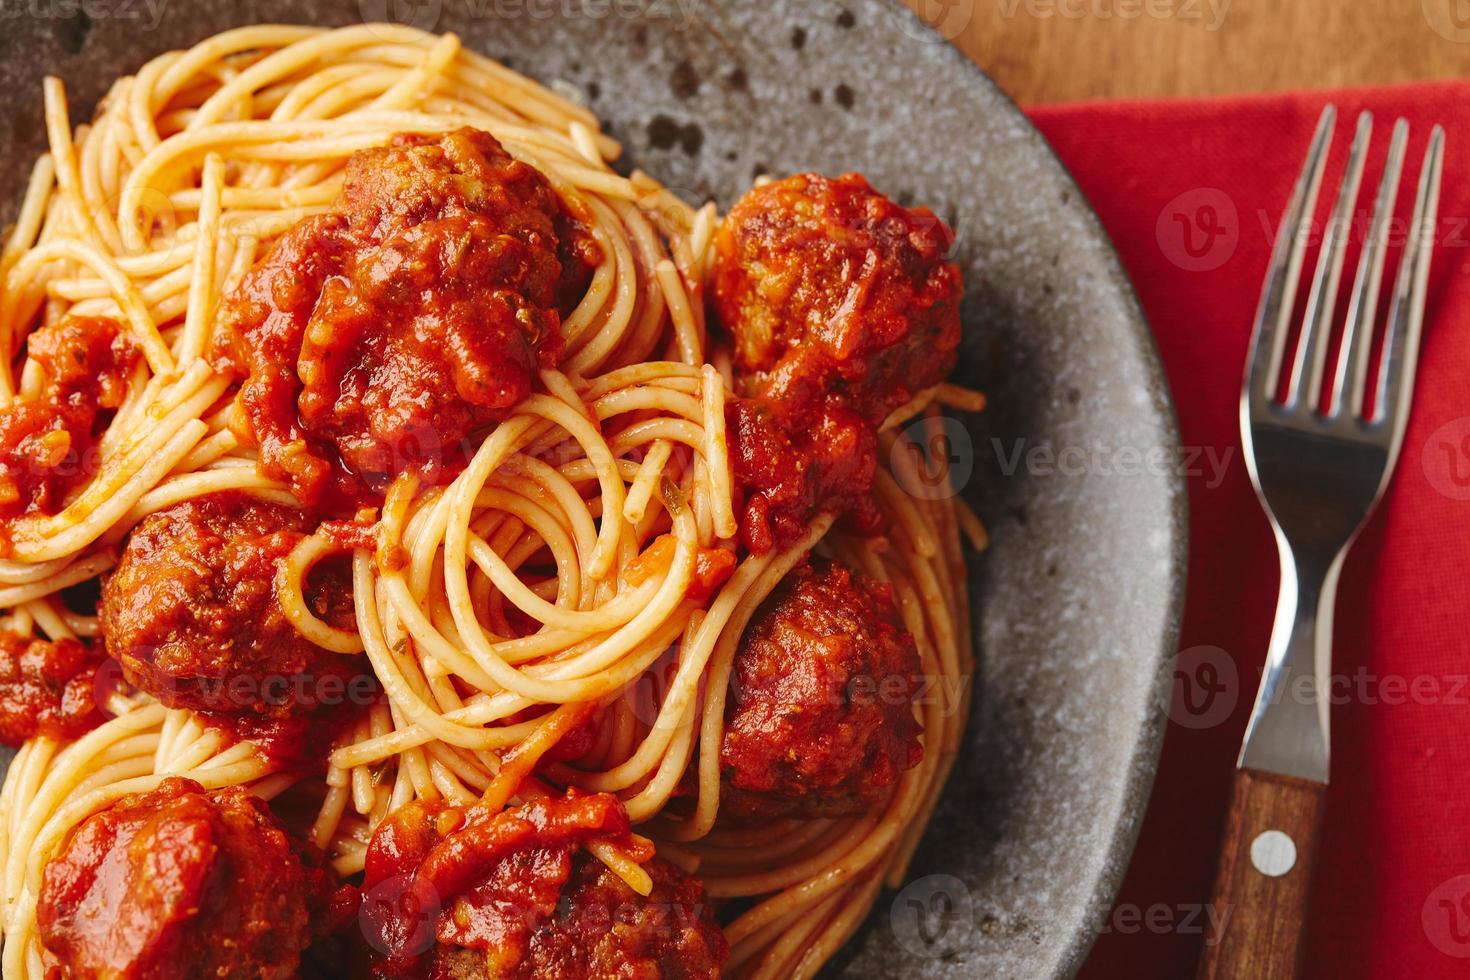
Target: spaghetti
(547, 599)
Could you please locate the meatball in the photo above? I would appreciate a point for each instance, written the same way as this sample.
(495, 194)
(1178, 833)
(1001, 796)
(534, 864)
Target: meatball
(47, 688)
(820, 721)
(841, 306)
(827, 287)
(48, 440)
(191, 611)
(379, 335)
(178, 883)
(790, 472)
(451, 893)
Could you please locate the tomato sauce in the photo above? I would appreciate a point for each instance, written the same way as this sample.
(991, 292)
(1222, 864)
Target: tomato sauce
(451, 892)
(49, 688)
(712, 567)
(48, 443)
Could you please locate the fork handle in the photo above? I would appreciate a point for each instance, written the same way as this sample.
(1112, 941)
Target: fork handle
(1263, 887)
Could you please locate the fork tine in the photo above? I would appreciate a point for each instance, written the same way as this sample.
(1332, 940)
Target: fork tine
(1316, 330)
(1406, 312)
(1357, 337)
(1268, 342)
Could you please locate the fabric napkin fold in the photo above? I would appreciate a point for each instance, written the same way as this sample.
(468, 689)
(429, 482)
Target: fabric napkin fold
(1191, 193)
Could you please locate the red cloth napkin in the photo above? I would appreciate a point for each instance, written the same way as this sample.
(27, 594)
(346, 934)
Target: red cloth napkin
(1191, 193)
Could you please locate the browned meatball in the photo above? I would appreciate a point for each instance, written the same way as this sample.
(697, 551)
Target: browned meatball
(178, 883)
(841, 306)
(514, 896)
(828, 287)
(377, 336)
(791, 470)
(820, 720)
(191, 611)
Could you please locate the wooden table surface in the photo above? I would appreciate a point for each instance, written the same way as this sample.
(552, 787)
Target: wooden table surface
(1061, 50)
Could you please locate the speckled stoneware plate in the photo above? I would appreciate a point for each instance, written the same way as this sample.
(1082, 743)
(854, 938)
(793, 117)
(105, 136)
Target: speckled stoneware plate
(1080, 592)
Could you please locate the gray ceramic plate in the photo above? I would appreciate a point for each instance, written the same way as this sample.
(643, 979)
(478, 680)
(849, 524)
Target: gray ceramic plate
(1080, 593)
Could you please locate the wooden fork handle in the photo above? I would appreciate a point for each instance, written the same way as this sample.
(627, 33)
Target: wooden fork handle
(1263, 887)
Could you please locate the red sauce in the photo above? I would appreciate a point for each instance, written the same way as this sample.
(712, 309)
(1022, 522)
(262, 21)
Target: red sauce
(192, 614)
(301, 742)
(179, 883)
(451, 893)
(48, 443)
(841, 306)
(819, 721)
(712, 567)
(48, 688)
(577, 741)
(350, 535)
(375, 338)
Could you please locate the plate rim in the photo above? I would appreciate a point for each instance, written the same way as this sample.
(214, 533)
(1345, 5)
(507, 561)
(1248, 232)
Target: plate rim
(1144, 761)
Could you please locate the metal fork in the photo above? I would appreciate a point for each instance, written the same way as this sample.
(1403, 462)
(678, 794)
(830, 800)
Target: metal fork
(1319, 465)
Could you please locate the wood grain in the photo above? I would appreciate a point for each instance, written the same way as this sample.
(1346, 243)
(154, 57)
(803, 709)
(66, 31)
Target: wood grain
(1061, 50)
(1263, 914)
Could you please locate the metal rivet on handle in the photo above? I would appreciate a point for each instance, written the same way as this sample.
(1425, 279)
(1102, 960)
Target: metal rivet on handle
(1273, 853)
